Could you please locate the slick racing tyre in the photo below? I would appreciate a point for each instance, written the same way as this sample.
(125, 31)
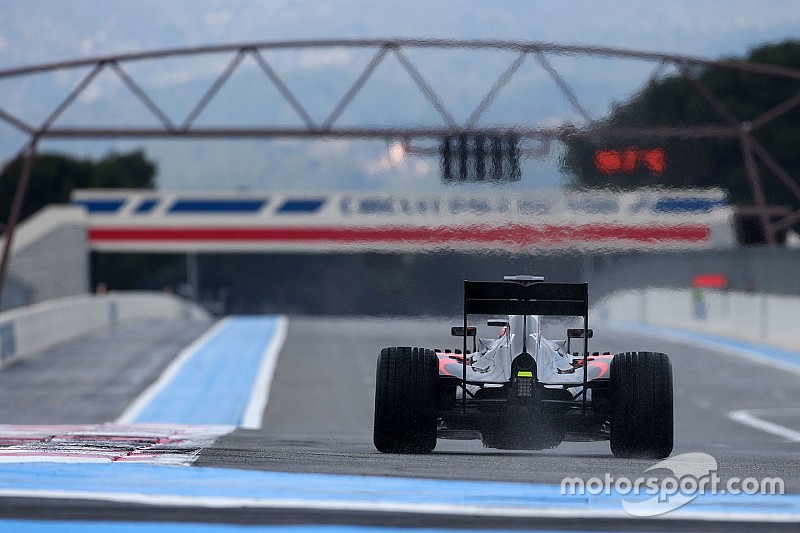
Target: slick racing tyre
(405, 401)
(641, 405)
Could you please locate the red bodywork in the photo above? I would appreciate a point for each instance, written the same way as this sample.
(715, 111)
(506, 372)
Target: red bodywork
(451, 364)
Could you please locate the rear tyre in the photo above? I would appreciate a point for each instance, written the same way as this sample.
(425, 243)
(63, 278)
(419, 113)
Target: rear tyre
(641, 405)
(405, 401)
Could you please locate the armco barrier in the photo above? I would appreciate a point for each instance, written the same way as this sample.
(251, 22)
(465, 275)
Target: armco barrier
(763, 318)
(30, 329)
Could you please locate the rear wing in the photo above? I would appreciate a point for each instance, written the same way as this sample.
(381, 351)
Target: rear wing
(527, 296)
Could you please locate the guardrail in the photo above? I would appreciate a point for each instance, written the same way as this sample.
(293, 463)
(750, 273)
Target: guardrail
(763, 318)
(31, 329)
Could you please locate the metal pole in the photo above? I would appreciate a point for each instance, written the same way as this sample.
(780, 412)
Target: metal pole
(193, 276)
(16, 209)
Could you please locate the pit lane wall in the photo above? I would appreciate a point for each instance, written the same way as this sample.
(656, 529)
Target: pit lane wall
(762, 318)
(28, 330)
(49, 259)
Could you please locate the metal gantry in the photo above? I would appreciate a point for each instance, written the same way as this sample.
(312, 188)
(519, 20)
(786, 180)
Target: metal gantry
(732, 127)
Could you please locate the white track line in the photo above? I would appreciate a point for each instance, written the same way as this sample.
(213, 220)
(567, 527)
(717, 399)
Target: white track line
(135, 409)
(261, 386)
(780, 515)
(748, 418)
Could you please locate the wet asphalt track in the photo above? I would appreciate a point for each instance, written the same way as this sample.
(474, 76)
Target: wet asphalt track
(319, 419)
(319, 416)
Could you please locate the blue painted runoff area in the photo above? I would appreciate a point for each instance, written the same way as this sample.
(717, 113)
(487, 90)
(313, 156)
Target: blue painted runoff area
(769, 354)
(198, 483)
(214, 385)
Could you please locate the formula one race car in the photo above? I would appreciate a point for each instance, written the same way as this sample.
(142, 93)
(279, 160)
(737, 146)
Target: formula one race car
(521, 391)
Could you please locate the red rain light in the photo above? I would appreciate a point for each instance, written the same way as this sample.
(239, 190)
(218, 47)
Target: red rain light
(710, 281)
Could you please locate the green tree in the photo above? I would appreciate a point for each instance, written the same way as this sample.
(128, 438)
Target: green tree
(54, 176)
(675, 101)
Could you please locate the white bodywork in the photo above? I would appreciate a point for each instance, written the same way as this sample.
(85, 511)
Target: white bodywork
(491, 364)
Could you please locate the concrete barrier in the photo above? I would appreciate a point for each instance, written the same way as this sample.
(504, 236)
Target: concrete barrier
(50, 258)
(31, 329)
(763, 318)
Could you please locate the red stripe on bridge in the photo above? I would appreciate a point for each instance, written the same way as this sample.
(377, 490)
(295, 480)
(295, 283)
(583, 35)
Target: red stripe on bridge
(515, 234)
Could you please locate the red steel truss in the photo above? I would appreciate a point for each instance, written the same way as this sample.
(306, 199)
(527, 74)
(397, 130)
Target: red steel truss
(731, 127)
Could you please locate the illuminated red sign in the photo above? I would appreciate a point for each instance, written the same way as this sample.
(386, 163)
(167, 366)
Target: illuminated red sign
(625, 161)
(710, 281)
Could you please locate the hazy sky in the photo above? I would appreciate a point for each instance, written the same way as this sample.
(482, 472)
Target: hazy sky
(42, 30)
(34, 31)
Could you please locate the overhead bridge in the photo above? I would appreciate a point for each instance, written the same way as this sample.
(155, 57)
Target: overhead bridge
(144, 221)
(165, 124)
